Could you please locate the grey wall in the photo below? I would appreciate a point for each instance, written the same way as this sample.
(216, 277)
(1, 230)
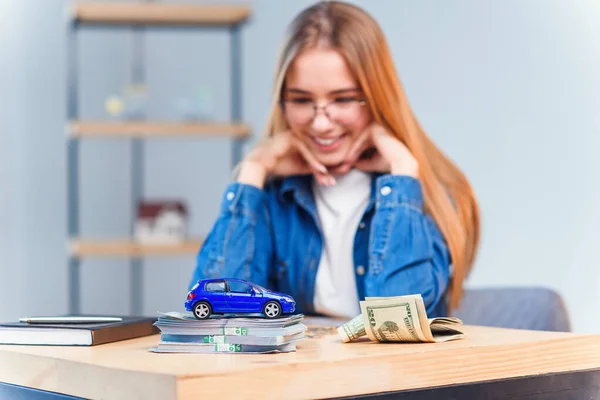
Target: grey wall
(7, 174)
(507, 89)
(32, 272)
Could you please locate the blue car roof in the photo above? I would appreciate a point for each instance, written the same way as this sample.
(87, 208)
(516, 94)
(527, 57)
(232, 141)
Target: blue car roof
(225, 279)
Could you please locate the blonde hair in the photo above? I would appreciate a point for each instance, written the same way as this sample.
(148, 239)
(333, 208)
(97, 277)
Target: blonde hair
(448, 197)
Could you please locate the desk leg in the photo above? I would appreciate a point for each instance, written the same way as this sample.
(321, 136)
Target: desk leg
(8, 391)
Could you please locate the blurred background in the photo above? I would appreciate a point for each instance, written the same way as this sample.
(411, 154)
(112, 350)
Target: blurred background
(509, 90)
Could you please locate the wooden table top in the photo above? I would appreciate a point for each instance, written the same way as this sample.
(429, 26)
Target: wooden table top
(322, 366)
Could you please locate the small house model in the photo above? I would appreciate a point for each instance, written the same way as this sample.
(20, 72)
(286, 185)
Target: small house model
(161, 222)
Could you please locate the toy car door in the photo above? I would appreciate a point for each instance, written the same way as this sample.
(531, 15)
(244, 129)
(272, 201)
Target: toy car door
(215, 292)
(241, 297)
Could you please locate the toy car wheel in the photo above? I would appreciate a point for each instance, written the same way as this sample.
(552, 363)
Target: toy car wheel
(272, 309)
(202, 310)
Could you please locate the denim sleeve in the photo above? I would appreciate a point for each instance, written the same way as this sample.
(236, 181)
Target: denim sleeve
(407, 252)
(239, 245)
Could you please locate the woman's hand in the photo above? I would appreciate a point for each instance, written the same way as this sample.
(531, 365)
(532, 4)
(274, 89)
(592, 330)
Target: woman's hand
(376, 150)
(281, 155)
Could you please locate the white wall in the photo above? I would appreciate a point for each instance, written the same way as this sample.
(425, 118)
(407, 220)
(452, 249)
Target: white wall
(508, 89)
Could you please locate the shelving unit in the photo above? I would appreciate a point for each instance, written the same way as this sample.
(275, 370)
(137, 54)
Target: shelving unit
(138, 16)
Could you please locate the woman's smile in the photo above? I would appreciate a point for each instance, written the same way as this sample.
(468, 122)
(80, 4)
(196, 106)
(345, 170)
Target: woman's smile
(330, 143)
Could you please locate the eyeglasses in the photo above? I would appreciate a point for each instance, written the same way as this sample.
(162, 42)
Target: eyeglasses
(343, 110)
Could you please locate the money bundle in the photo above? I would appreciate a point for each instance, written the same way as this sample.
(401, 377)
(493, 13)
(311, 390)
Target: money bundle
(183, 333)
(399, 319)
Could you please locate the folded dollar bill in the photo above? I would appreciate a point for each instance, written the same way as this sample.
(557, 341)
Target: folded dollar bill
(399, 319)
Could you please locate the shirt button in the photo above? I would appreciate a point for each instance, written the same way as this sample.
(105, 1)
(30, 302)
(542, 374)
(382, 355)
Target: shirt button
(230, 196)
(362, 225)
(386, 190)
(360, 270)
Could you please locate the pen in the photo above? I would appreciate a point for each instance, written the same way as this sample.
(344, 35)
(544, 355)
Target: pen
(68, 320)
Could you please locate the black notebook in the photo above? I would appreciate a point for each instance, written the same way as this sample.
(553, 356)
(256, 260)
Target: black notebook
(88, 334)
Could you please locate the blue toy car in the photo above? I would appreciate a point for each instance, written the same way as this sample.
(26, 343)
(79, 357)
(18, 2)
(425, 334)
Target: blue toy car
(230, 295)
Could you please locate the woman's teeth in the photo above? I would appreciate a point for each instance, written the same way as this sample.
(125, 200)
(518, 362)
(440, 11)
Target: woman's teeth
(328, 144)
(325, 142)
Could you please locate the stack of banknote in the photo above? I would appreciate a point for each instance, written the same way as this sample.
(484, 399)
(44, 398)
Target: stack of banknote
(399, 319)
(183, 333)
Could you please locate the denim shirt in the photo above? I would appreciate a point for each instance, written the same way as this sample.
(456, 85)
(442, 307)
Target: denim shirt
(271, 237)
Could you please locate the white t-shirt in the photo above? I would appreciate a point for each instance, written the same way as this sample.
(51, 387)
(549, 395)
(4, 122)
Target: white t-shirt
(340, 209)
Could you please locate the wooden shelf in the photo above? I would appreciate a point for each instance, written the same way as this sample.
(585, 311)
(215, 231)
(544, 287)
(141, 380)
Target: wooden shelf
(158, 14)
(154, 129)
(130, 248)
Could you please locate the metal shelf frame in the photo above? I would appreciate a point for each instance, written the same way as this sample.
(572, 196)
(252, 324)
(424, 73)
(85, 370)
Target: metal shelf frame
(137, 16)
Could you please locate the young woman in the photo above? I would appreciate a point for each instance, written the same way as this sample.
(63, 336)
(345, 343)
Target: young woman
(346, 196)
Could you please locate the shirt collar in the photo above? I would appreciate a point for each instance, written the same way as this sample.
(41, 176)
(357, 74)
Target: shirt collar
(298, 187)
(294, 186)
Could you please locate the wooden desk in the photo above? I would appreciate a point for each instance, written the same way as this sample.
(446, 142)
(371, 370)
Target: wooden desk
(490, 363)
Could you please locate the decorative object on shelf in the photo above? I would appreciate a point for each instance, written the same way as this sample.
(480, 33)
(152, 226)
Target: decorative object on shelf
(114, 106)
(131, 105)
(136, 101)
(161, 222)
(195, 111)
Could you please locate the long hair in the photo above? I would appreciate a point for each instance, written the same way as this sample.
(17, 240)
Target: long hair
(448, 196)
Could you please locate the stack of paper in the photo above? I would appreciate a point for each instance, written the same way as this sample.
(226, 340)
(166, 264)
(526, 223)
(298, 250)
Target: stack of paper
(183, 333)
